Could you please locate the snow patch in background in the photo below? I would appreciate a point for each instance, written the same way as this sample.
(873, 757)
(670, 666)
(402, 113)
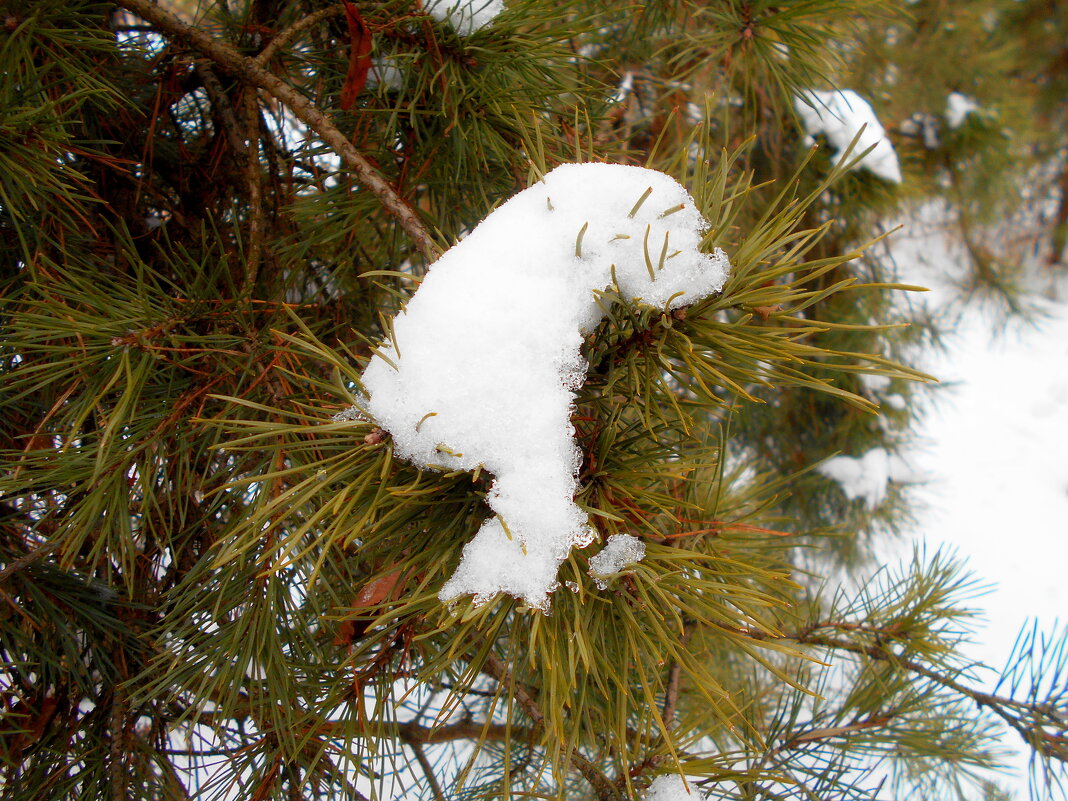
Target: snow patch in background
(958, 107)
(671, 788)
(991, 448)
(867, 477)
(481, 367)
(385, 72)
(621, 550)
(465, 16)
(839, 115)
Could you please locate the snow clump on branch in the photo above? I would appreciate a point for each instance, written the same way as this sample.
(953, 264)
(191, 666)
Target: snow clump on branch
(840, 115)
(480, 369)
(621, 550)
(465, 16)
(671, 788)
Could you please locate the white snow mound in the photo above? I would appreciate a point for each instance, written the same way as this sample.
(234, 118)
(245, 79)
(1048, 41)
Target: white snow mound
(839, 115)
(485, 358)
(671, 788)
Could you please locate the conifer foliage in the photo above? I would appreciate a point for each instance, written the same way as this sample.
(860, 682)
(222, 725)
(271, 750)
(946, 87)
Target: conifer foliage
(219, 577)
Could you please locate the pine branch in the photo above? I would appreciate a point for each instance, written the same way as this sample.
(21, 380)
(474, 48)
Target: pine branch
(250, 71)
(274, 47)
(218, 566)
(602, 785)
(1053, 746)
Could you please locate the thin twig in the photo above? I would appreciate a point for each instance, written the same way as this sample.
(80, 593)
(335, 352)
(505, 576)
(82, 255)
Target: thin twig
(999, 705)
(294, 30)
(1059, 227)
(172, 782)
(779, 755)
(319, 771)
(291, 772)
(496, 669)
(117, 746)
(671, 695)
(28, 559)
(428, 770)
(671, 692)
(254, 182)
(251, 72)
(602, 785)
(221, 103)
(810, 735)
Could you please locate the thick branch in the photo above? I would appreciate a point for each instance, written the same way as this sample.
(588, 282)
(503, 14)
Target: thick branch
(251, 72)
(409, 731)
(412, 733)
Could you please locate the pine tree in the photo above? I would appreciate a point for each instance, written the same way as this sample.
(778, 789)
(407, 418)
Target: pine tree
(219, 578)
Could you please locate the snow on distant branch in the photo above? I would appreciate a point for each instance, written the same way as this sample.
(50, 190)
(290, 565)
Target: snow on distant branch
(840, 115)
(481, 367)
(867, 477)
